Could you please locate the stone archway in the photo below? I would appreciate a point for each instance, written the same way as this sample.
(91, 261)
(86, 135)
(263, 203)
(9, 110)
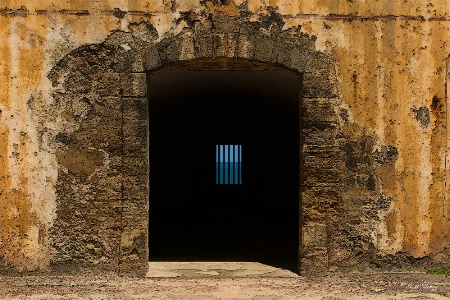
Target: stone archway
(192, 217)
(100, 95)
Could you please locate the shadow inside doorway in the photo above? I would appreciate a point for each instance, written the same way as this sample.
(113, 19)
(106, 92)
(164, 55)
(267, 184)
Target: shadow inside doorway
(192, 218)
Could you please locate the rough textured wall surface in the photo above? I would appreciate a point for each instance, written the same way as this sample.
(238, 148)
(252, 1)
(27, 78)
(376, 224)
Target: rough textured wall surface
(375, 139)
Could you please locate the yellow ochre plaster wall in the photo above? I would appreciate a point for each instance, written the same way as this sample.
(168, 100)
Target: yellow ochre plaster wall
(390, 59)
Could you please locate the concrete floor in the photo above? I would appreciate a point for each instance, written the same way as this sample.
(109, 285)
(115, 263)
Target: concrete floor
(331, 286)
(215, 269)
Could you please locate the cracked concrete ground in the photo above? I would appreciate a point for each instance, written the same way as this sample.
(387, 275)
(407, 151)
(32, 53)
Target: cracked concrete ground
(228, 281)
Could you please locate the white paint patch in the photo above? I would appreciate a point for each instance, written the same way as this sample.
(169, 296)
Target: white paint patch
(29, 166)
(335, 37)
(163, 23)
(380, 122)
(187, 49)
(245, 46)
(327, 39)
(350, 117)
(59, 41)
(180, 27)
(30, 250)
(125, 47)
(96, 30)
(380, 236)
(13, 114)
(239, 2)
(426, 167)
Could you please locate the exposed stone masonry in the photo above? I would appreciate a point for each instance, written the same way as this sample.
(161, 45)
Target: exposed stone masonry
(74, 138)
(103, 180)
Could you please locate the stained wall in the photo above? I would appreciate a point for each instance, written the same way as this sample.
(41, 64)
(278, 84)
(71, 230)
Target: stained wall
(390, 62)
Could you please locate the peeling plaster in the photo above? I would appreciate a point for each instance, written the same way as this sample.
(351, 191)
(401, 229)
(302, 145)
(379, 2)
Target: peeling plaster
(387, 59)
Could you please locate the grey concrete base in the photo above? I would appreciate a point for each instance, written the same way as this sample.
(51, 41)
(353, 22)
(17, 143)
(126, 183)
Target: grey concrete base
(215, 269)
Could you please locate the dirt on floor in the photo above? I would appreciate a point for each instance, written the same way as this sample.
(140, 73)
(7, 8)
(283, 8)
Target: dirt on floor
(330, 287)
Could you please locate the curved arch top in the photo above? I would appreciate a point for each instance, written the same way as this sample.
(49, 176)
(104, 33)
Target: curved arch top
(108, 81)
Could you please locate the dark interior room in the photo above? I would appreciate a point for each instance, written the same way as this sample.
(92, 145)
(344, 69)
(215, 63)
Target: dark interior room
(191, 216)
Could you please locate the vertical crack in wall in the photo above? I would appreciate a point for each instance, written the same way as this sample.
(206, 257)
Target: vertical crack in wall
(446, 161)
(122, 186)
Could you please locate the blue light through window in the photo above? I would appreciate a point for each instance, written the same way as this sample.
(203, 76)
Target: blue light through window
(228, 164)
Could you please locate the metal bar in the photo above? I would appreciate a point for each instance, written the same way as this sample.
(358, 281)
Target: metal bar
(226, 164)
(221, 164)
(240, 164)
(231, 164)
(236, 164)
(217, 164)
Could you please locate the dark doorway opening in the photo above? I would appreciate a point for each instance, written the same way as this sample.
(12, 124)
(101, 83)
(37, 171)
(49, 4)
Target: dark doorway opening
(191, 218)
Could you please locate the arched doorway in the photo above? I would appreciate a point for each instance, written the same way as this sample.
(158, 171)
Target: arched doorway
(192, 216)
(102, 217)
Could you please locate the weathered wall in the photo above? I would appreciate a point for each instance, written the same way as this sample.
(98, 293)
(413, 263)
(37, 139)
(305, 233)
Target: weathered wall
(387, 125)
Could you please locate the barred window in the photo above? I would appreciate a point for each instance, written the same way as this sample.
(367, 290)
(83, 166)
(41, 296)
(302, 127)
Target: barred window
(228, 164)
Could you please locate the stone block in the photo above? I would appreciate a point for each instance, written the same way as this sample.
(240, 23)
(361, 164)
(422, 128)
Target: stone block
(313, 213)
(135, 127)
(78, 83)
(118, 38)
(187, 46)
(283, 53)
(318, 85)
(135, 109)
(203, 27)
(151, 58)
(169, 50)
(79, 63)
(358, 154)
(136, 164)
(314, 250)
(100, 133)
(134, 84)
(323, 196)
(107, 84)
(132, 263)
(108, 107)
(136, 138)
(319, 176)
(136, 187)
(318, 136)
(245, 47)
(106, 187)
(312, 266)
(123, 59)
(128, 59)
(203, 46)
(225, 45)
(320, 63)
(313, 260)
(144, 31)
(314, 235)
(319, 110)
(249, 28)
(321, 150)
(298, 58)
(105, 213)
(327, 162)
(134, 241)
(223, 23)
(89, 234)
(265, 49)
(318, 133)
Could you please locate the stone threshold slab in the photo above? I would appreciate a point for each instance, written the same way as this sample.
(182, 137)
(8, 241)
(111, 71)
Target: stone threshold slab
(215, 269)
